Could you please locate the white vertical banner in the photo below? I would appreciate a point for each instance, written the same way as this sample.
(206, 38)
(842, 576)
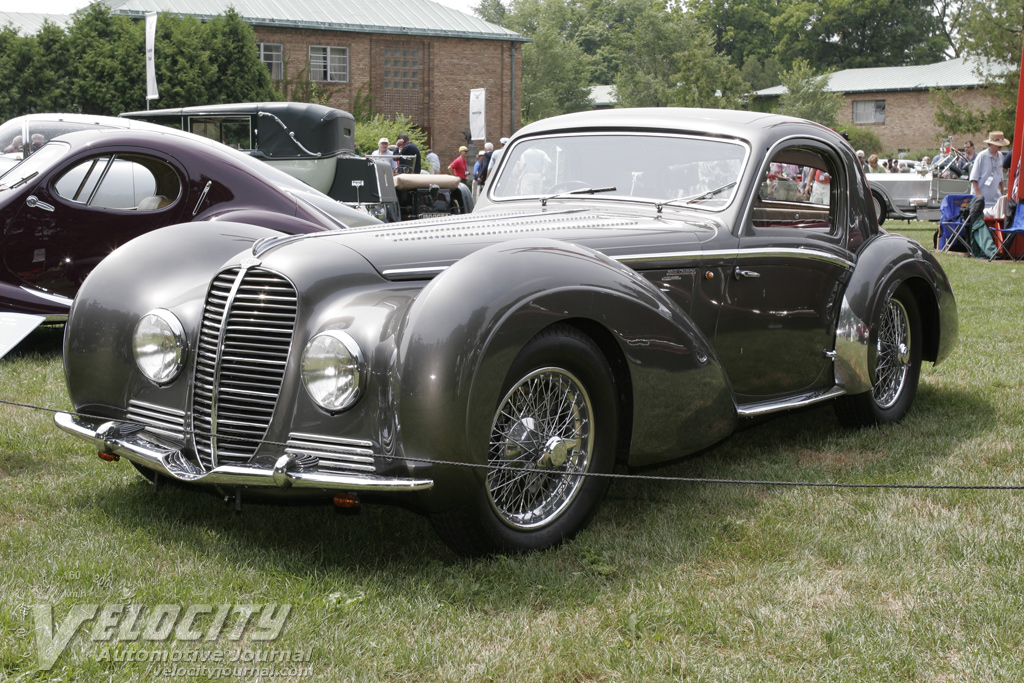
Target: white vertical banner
(478, 113)
(151, 93)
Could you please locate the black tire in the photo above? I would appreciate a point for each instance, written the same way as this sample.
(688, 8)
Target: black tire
(532, 499)
(881, 208)
(895, 366)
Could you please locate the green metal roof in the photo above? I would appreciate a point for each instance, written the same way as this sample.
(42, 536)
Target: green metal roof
(394, 17)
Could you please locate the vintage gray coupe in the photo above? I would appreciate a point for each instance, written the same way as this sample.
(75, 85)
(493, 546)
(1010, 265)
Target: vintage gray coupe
(627, 291)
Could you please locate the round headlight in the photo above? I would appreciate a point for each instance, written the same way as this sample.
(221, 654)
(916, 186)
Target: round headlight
(332, 370)
(159, 346)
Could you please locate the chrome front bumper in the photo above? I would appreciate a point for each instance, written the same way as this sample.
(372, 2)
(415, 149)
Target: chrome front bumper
(117, 438)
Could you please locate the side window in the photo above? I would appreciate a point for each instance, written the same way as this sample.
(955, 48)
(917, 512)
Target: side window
(127, 182)
(798, 191)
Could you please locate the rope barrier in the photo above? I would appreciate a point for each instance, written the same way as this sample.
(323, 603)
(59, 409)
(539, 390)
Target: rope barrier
(608, 475)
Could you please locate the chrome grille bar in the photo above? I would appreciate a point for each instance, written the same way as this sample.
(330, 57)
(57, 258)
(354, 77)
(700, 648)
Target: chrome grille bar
(243, 348)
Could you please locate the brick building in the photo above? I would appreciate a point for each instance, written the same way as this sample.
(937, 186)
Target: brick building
(414, 57)
(897, 103)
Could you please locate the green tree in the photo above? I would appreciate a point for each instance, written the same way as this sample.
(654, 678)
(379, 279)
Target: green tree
(671, 61)
(742, 30)
(806, 96)
(183, 62)
(379, 126)
(849, 34)
(991, 31)
(239, 75)
(106, 71)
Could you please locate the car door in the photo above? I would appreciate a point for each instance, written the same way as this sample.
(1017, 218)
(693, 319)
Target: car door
(776, 329)
(83, 209)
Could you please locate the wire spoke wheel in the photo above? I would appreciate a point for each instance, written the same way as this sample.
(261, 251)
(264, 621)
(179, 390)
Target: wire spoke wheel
(893, 360)
(542, 438)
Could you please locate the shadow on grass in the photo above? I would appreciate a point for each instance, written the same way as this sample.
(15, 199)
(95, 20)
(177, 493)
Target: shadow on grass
(654, 524)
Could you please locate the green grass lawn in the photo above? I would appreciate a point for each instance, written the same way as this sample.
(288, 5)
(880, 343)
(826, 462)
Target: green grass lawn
(671, 582)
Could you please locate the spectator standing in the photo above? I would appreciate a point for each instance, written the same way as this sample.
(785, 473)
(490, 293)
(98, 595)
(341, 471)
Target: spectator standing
(874, 166)
(863, 163)
(433, 162)
(407, 148)
(458, 165)
(477, 167)
(495, 156)
(485, 163)
(987, 173)
(384, 150)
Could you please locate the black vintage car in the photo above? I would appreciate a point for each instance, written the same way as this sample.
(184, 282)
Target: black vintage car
(316, 144)
(98, 182)
(629, 290)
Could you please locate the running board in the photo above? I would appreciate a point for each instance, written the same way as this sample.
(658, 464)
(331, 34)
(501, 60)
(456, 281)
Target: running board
(766, 407)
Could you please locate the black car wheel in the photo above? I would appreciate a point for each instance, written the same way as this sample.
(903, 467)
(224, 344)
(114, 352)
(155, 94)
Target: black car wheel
(897, 366)
(557, 420)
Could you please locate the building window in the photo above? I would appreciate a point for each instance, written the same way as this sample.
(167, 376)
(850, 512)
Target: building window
(272, 54)
(401, 69)
(869, 111)
(328, 64)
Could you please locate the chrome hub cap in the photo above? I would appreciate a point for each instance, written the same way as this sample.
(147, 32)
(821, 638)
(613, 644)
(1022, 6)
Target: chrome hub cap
(541, 437)
(893, 360)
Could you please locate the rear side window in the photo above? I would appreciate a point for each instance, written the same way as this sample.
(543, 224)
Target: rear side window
(128, 182)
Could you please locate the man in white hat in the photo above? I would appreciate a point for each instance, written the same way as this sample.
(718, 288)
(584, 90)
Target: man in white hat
(384, 150)
(987, 172)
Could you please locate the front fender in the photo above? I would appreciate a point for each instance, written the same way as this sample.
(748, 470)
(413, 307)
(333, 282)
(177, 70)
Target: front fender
(167, 268)
(463, 332)
(883, 265)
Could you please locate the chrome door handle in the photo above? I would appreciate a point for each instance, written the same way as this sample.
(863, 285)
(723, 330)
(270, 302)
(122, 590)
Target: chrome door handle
(34, 203)
(740, 273)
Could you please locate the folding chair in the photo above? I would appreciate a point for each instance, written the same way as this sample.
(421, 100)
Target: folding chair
(954, 227)
(1008, 234)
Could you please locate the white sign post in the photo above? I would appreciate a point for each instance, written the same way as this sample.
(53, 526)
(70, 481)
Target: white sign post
(478, 113)
(151, 93)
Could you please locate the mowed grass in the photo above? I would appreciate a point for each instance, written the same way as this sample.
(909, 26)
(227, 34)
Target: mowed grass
(671, 582)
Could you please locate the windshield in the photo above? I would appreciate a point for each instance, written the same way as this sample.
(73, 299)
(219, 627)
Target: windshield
(701, 172)
(34, 164)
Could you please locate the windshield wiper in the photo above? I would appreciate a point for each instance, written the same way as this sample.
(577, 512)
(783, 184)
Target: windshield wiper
(24, 180)
(582, 190)
(693, 199)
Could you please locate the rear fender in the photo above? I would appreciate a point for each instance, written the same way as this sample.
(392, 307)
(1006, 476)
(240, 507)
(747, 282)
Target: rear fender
(883, 265)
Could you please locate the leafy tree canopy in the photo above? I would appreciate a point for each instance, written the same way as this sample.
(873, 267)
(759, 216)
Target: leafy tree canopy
(806, 96)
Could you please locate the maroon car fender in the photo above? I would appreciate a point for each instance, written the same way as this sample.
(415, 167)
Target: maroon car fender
(464, 330)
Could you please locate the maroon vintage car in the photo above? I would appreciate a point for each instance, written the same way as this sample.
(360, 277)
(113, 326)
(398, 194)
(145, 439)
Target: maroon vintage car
(81, 195)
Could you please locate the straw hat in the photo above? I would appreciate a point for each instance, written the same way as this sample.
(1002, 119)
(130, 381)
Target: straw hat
(996, 137)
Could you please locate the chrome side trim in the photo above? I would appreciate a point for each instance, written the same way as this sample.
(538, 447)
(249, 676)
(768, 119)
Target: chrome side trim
(413, 273)
(754, 409)
(853, 340)
(117, 439)
(54, 298)
(810, 254)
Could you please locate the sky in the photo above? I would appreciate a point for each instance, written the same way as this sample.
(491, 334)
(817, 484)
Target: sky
(69, 6)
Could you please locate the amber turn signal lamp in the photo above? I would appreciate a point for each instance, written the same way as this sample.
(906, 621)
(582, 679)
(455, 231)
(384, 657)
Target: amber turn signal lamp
(109, 457)
(348, 501)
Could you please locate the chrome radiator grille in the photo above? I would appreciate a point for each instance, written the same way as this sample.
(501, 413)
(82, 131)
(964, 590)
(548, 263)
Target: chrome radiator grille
(243, 352)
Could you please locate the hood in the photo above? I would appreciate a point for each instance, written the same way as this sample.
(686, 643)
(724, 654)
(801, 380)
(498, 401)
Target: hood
(421, 249)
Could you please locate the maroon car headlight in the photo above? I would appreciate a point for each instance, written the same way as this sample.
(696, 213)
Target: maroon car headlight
(333, 370)
(159, 346)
